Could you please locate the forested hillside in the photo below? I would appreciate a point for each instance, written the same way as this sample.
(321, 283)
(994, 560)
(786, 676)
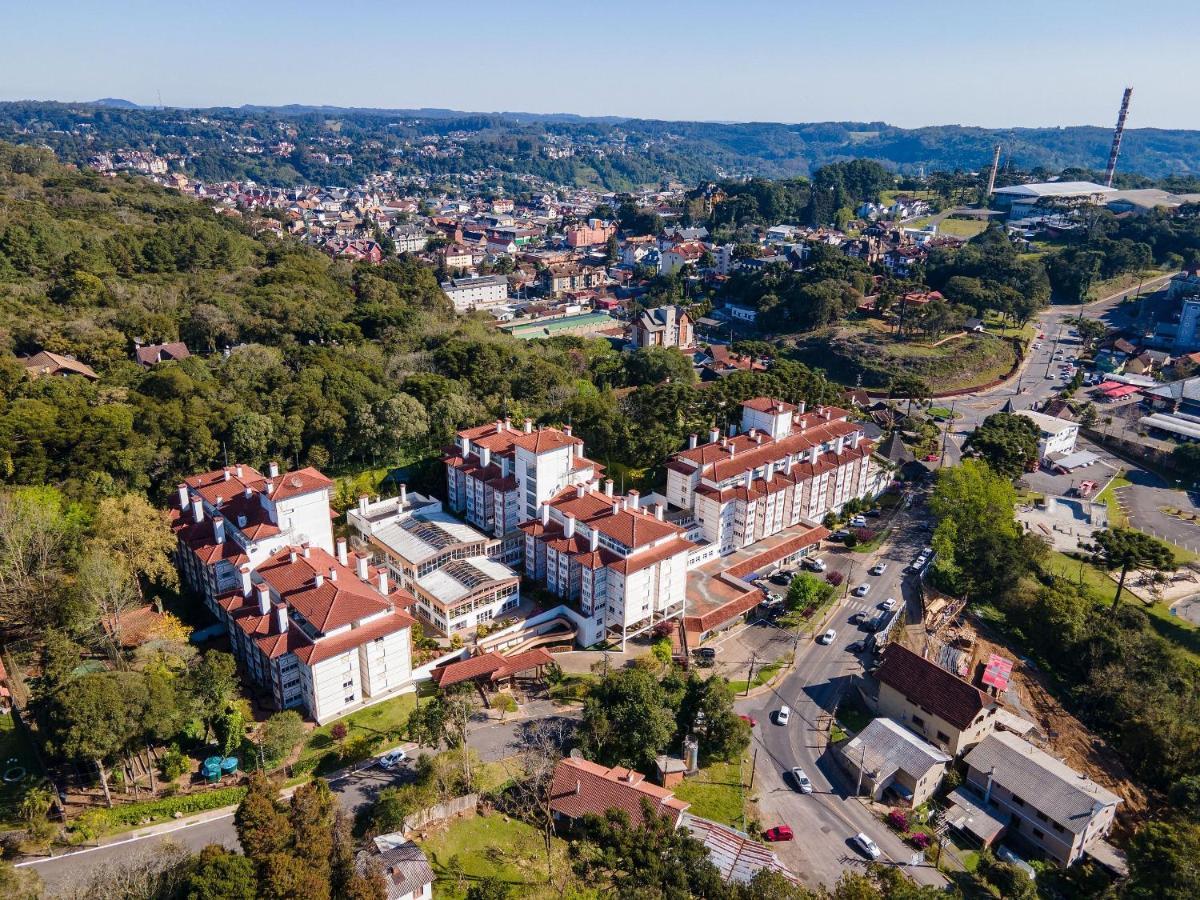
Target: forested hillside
(329, 363)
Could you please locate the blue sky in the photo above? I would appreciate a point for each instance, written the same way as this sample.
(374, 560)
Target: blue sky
(1058, 62)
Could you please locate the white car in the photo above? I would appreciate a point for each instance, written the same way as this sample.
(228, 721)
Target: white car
(782, 716)
(878, 568)
(800, 780)
(867, 846)
(888, 605)
(815, 565)
(828, 637)
(393, 759)
(861, 590)
(859, 521)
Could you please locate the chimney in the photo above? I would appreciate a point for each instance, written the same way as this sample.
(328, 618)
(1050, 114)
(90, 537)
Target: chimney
(732, 429)
(758, 439)
(545, 513)
(318, 579)
(360, 566)
(307, 549)
(197, 509)
(247, 493)
(800, 407)
(466, 446)
(616, 507)
(246, 584)
(749, 479)
(770, 473)
(507, 423)
(635, 497)
(219, 529)
(608, 487)
(273, 469)
(292, 555)
(828, 415)
(594, 540)
(238, 470)
(778, 406)
(225, 476)
(264, 599)
(753, 433)
(713, 434)
(580, 489)
(658, 511)
(485, 457)
(333, 573)
(854, 439)
(566, 429)
(404, 494)
(183, 496)
(383, 581)
(341, 551)
(693, 439)
(529, 426)
(281, 617)
(569, 527)
(732, 451)
(499, 426)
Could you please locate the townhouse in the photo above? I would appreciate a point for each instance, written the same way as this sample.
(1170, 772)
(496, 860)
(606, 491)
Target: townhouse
(663, 326)
(621, 567)
(498, 476)
(784, 467)
(310, 630)
(558, 279)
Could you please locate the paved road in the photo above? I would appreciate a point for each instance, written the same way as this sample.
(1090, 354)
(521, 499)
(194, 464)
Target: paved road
(825, 821)
(491, 741)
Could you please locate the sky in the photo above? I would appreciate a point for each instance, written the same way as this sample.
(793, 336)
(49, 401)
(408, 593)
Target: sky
(997, 64)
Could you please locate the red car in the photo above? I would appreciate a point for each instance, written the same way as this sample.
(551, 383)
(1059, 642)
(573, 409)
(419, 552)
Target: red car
(778, 833)
(749, 720)
(932, 457)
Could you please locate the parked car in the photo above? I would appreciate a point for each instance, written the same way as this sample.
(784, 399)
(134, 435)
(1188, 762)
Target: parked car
(393, 759)
(816, 564)
(706, 652)
(861, 590)
(874, 513)
(878, 568)
(933, 457)
(800, 780)
(868, 847)
(859, 522)
(840, 535)
(782, 578)
(782, 715)
(778, 833)
(828, 637)
(888, 605)
(856, 647)
(749, 720)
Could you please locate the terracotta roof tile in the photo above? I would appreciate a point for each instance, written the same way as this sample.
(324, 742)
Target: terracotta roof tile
(929, 685)
(581, 788)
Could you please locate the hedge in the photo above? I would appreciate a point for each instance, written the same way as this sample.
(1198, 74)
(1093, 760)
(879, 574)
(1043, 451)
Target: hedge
(95, 822)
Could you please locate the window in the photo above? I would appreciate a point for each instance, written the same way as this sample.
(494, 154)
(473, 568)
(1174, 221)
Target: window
(349, 699)
(1041, 815)
(918, 721)
(943, 737)
(1017, 800)
(1058, 827)
(349, 683)
(1037, 833)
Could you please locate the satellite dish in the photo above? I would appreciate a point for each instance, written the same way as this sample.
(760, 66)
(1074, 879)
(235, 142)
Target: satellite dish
(576, 753)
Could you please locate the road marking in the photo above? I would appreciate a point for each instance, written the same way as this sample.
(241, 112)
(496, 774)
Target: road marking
(129, 840)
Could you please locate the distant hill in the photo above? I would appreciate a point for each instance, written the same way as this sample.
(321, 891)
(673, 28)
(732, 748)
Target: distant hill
(115, 103)
(610, 152)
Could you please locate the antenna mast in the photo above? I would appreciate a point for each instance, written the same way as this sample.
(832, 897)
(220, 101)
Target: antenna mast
(992, 178)
(1116, 144)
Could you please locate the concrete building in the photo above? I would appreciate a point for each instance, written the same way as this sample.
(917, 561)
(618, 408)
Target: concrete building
(477, 292)
(926, 699)
(1023, 201)
(1048, 805)
(450, 568)
(591, 234)
(621, 567)
(1055, 436)
(498, 476)
(886, 757)
(785, 467)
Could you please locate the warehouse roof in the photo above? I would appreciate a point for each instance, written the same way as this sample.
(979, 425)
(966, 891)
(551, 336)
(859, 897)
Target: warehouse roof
(1055, 189)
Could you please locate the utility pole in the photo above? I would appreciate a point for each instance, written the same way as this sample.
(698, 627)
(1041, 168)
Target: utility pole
(946, 434)
(753, 769)
(750, 676)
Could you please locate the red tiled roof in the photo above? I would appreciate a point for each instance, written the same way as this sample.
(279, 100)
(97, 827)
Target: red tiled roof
(640, 561)
(766, 404)
(932, 687)
(334, 603)
(355, 637)
(543, 440)
(583, 788)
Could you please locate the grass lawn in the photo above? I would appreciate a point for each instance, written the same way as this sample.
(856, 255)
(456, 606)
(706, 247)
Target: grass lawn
(572, 689)
(1116, 516)
(384, 720)
(762, 675)
(966, 228)
(1179, 632)
(716, 792)
(1109, 286)
(852, 715)
(15, 751)
(941, 412)
(474, 847)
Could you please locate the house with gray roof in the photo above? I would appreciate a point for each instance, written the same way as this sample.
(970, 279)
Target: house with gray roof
(404, 867)
(885, 757)
(1050, 807)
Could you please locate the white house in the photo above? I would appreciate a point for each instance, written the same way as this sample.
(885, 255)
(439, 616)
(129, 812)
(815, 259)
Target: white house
(1055, 436)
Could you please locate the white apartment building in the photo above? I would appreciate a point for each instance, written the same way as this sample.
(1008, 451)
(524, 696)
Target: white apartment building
(499, 476)
(622, 569)
(786, 466)
(410, 240)
(449, 567)
(476, 292)
(309, 631)
(1055, 436)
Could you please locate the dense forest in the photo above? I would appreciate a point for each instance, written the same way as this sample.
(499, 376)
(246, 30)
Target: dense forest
(297, 357)
(616, 154)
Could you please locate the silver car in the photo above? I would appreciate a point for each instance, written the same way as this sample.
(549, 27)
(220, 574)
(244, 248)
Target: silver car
(800, 780)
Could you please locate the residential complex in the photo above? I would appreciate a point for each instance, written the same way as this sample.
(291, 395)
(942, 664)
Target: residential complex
(498, 476)
(476, 292)
(450, 568)
(310, 629)
(785, 466)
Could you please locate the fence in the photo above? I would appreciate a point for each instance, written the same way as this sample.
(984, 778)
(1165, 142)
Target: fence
(441, 811)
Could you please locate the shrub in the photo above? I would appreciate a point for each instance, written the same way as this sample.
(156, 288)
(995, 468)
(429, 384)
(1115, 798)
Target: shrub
(898, 820)
(95, 822)
(174, 763)
(920, 840)
(834, 578)
(863, 535)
